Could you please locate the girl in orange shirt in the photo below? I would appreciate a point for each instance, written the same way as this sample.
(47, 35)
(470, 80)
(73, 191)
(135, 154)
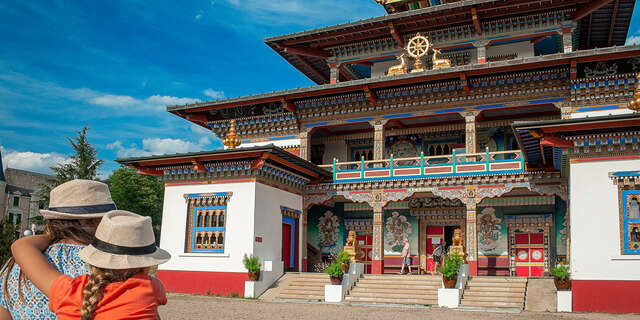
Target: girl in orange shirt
(118, 286)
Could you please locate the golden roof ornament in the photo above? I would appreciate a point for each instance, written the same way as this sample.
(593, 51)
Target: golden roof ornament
(418, 47)
(634, 104)
(231, 140)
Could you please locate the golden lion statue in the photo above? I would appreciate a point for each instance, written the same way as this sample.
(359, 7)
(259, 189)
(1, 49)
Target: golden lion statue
(351, 247)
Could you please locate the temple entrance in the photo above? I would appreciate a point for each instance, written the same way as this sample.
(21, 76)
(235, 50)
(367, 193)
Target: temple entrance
(530, 252)
(289, 244)
(435, 236)
(365, 244)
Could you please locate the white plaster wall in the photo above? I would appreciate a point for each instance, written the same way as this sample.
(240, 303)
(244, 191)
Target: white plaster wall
(238, 234)
(268, 220)
(595, 223)
(600, 113)
(277, 143)
(524, 49)
(335, 149)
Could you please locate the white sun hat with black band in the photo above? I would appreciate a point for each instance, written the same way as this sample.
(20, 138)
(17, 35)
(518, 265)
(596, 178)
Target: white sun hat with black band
(124, 240)
(79, 199)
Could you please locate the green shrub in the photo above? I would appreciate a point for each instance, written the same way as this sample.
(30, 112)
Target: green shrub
(561, 271)
(251, 263)
(334, 270)
(344, 257)
(451, 264)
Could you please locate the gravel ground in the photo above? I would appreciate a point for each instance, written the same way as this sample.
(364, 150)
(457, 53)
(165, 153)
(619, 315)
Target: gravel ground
(203, 307)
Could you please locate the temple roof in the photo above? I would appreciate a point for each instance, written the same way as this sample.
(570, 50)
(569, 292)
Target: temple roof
(288, 160)
(601, 23)
(552, 134)
(518, 64)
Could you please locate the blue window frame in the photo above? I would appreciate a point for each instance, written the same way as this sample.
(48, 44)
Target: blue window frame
(206, 222)
(630, 228)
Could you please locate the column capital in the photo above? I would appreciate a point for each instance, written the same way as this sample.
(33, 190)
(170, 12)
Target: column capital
(481, 43)
(378, 123)
(469, 115)
(565, 109)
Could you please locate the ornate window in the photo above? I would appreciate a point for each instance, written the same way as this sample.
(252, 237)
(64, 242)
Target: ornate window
(206, 221)
(630, 221)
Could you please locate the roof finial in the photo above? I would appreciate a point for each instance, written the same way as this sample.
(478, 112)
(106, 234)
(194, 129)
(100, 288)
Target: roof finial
(231, 139)
(634, 104)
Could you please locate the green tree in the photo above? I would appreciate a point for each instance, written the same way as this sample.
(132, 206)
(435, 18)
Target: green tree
(83, 164)
(137, 193)
(8, 234)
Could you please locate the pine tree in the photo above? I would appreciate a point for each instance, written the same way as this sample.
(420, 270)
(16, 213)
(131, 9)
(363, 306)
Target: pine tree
(82, 164)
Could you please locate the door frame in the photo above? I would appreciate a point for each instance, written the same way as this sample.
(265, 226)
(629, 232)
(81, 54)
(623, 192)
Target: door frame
(528, 223)
(292, 222)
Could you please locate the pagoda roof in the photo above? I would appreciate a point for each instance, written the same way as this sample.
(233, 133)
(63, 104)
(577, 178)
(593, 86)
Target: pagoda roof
(291, 162)
(606, 23)
(518, 64)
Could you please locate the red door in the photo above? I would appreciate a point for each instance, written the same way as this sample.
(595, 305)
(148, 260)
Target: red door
(435, 235)
(365, 243)
(530, 254)
(286, 246)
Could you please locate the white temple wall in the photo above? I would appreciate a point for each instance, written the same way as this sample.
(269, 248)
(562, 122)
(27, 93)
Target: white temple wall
(524, 49)
(275, 141)
(268, 220)
(238, 233)
(335, 149)
(595, 223)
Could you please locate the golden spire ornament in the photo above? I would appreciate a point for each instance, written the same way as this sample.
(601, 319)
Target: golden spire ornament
(417, 47)
(231, 140)
(634, 104)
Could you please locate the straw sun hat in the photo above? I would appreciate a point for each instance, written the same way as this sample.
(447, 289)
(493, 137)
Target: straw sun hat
(79, 199)
(124, 240)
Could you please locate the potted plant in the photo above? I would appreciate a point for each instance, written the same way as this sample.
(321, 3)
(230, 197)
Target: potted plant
(561, 277)
(451, 265)
(344, 260)
(252, 264)
(335, 273)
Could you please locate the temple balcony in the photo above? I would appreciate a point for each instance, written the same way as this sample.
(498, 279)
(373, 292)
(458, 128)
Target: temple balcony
(454, 165)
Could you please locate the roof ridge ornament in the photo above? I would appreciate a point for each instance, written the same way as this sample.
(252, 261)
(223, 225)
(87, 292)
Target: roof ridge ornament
(634, 104)
(231, 140)
(417, 47)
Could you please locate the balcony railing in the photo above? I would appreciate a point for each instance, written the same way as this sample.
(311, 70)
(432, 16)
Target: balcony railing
(499, 162)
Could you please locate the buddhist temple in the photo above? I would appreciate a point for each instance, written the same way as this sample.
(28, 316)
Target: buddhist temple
(508, 123)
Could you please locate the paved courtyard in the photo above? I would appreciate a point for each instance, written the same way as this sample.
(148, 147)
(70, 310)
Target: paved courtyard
(204, 307)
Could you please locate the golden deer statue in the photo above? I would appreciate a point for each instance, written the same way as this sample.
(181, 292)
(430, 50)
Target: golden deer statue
(439, 63)
(399, 69)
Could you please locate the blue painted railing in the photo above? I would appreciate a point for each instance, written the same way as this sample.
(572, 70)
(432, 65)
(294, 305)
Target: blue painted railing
(499, 162)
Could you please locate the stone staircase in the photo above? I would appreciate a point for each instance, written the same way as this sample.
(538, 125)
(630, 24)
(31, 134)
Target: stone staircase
(495, 292)
(303, 286)
(396, 289)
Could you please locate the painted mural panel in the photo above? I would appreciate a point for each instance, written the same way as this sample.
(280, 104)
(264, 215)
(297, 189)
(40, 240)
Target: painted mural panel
(561, 233)
(492, 233)
(325, 229)
(399, 225)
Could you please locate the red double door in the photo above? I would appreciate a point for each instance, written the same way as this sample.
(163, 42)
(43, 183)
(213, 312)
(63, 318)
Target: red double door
(365, 244)
(529, 254)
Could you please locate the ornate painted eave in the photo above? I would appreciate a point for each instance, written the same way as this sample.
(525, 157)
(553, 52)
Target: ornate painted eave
(625, 178)
(556, 135)
(210, 164)
(199, 113)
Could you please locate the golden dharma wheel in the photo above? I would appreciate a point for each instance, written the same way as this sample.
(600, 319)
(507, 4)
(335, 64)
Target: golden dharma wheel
(418, 46)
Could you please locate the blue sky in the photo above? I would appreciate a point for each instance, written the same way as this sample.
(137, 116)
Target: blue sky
(115, 65)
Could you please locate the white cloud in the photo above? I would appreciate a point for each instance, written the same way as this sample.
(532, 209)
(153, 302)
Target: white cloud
(31, 161)
(198, 16)
(152, 102)
(90, 96)
(159, 146)
(633, 40)
(214, 94)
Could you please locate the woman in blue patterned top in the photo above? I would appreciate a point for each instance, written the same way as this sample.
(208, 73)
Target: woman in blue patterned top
(75, 209)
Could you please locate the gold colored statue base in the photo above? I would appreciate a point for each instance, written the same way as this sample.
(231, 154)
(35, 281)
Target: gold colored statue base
(417, 66)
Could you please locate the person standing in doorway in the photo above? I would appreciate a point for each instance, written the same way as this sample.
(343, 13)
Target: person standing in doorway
(437, 256)
(406, 258)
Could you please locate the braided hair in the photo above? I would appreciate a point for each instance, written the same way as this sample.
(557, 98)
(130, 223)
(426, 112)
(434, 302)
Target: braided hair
(55, 230)
(94, 289)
